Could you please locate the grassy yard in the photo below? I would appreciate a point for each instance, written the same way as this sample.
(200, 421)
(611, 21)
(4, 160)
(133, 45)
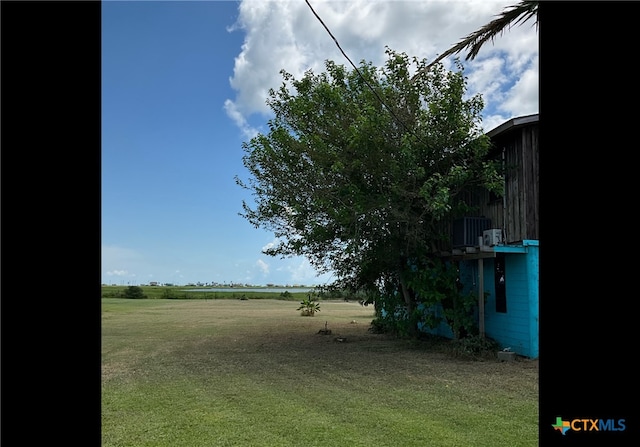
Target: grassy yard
(250, 372)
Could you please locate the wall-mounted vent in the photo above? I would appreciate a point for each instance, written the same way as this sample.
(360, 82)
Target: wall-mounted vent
(467, 231)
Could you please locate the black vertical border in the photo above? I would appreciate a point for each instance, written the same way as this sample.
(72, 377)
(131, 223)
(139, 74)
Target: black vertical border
(588, 127)
(50, 147)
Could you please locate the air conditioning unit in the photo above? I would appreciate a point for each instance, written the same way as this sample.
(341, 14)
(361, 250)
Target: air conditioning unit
(467, 231)
(492, 237)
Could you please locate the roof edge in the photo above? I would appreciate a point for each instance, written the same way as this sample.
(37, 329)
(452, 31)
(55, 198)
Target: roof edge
(512, 123)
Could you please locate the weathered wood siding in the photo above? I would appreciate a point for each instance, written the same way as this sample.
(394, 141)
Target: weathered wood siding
(517, 213)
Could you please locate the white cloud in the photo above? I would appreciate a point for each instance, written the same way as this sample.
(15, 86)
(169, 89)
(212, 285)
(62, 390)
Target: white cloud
(232, 111)
(263, 266)
(302, 272)
(122, 273)
(271, 244)
(285, 34)
(488, 77)
(522, 99)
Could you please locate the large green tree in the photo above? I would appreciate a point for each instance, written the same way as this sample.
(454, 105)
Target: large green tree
(360, 170)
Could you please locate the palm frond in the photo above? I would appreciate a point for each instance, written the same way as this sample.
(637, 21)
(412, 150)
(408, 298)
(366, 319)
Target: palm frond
(513, 15)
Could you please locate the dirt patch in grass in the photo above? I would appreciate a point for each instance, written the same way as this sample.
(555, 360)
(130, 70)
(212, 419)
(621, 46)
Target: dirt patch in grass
(294, 347)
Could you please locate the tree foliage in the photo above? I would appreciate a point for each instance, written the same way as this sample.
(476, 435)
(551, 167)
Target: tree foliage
(134, 292)
(360, 169)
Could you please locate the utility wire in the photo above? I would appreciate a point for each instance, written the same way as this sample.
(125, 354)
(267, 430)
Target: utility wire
(358, 71)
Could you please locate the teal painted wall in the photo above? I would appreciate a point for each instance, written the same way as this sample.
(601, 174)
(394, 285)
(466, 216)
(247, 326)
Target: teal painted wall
(533, 271)
(517, 328)
(443, 329)
(510, 329)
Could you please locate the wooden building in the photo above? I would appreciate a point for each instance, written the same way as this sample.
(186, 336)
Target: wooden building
(517, 213)
(496, 248)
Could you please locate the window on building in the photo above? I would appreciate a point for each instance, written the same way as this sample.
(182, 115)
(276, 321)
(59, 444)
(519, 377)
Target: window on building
(501, 284)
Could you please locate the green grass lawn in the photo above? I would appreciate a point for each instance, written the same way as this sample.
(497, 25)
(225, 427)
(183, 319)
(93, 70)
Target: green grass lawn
(255, 373)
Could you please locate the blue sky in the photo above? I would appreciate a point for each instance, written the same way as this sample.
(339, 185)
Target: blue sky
(184, 85)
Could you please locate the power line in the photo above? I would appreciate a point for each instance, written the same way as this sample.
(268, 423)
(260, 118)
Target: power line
(358, 71)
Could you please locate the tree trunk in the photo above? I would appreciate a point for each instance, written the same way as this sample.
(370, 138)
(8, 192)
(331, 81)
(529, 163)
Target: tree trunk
(409, 299)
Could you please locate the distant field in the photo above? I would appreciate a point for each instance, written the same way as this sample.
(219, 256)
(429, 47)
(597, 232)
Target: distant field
(184, 292)
(254, 372)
